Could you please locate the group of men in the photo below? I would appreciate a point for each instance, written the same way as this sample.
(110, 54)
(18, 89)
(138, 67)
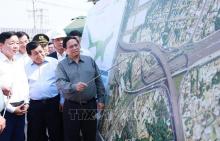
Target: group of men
(60, 91)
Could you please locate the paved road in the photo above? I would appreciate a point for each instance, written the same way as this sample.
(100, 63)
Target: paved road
(168, 66)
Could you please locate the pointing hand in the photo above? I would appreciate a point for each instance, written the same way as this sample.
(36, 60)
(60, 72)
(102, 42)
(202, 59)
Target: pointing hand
(80, 86)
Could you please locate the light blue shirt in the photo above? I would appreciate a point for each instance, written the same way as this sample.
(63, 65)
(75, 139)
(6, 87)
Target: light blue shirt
(42, 79)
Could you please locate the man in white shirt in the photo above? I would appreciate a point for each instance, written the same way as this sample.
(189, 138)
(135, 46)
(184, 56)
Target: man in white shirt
(2, 106)
(57, 39)
(22, 53)
(13, 81)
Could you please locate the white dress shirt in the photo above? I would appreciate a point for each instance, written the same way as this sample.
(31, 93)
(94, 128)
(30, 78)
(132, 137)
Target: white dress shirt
(12, 75)
(22, 57)
(61, 57)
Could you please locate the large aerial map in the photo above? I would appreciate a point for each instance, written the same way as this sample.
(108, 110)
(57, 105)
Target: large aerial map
(166, 83)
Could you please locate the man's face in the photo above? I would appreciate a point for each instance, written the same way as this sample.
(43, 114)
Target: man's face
(50, 48)
(72, 48)
(37, 55)
(46, 50)
(10, 47)
(22, 44)
(58, 43)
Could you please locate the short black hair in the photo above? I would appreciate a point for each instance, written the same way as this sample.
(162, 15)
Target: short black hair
(66, 39)
(75, 33)
(6, 35)
(21, 34)
(31, 45)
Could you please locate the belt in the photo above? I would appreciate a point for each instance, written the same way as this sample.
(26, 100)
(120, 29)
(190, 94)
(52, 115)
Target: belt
(46, 100)
(81, 102)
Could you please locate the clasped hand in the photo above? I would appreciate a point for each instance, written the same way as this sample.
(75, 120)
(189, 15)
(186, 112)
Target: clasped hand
(22, 109)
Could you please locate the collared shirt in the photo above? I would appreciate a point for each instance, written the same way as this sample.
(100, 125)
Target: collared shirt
(12, 74)
(61, 56)
(69, 73)
(23, 58)
(42, 79)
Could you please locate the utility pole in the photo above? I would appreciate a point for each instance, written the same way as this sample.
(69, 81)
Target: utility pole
(42, 17)
(39, 16)
(34, 13)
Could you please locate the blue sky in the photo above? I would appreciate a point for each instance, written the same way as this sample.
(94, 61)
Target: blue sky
(49, 13)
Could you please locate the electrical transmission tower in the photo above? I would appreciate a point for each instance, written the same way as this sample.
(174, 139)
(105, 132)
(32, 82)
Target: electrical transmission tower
(39, 15)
